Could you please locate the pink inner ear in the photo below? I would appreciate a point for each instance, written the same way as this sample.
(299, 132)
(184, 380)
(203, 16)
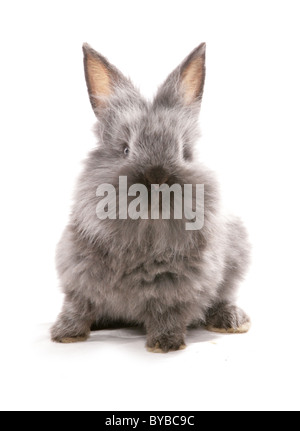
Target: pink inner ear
(192, 80)
(99, 83)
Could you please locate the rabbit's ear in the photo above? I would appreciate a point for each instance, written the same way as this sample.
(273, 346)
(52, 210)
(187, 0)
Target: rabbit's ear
(185, 84)
(102, 78)
(193, 75)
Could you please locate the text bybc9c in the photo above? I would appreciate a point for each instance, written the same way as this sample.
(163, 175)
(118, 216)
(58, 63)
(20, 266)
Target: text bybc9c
(175, 420)
(153, 421)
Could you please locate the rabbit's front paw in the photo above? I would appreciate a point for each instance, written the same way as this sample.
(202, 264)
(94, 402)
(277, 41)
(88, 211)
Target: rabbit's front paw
(165, 344)
(228, 319)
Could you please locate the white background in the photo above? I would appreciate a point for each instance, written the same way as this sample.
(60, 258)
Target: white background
(250, 127)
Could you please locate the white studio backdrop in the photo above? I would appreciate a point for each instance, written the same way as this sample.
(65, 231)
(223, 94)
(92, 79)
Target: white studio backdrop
(250, 137)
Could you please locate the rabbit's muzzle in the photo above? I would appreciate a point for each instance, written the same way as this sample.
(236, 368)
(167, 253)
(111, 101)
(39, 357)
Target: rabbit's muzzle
(156, 175)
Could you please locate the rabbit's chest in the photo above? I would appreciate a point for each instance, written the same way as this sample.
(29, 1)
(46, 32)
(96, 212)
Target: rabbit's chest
(128, 292)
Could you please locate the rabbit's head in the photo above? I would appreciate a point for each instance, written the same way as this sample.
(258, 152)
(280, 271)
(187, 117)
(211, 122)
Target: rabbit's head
(148, 142)
(152, 141)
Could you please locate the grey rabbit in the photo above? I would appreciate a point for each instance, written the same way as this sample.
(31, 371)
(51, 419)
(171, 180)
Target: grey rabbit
(150, 273)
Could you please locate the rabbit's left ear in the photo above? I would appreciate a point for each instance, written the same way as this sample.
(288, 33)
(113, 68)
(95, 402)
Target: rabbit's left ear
(185, 85)
(103, 80)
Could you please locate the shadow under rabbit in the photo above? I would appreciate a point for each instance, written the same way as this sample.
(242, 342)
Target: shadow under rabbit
(124, 335)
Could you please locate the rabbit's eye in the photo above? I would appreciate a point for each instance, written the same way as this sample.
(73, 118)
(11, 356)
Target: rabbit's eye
(126, 151)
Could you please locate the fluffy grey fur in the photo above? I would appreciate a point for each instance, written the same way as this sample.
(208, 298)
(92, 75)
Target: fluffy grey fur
(148, 272)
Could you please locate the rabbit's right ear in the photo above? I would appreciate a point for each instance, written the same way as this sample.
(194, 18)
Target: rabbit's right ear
(184, 86)
(102, 79)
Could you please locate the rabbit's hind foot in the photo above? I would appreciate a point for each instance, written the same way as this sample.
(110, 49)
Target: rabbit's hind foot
(227, 318)
(240, 330)
(71, 340)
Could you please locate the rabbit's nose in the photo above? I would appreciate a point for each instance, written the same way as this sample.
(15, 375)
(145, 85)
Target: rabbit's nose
(156, 175)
